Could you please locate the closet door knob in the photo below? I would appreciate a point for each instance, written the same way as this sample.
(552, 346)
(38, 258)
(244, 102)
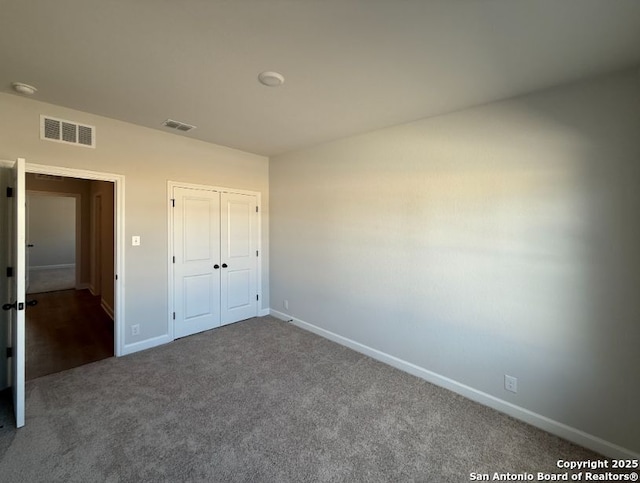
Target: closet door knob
(224, 265)
(216, 266)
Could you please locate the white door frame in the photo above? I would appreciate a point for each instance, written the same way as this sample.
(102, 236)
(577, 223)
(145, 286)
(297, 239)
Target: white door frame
(119, 245)
(170, 268)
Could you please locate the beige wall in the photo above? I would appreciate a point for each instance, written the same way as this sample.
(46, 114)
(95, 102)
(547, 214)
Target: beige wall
(497, 240)
(78, 187)
(51, 230)
(147, 159)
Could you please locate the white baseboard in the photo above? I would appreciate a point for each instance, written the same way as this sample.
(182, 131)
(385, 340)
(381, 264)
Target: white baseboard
(52, 267)
(156, 341)
(145, 344)
(554, 427)
(107, 308)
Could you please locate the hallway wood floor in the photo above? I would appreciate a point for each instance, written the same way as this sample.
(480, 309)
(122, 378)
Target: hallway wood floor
(66, 329)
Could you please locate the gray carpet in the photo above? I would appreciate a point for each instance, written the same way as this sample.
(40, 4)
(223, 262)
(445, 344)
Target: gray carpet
(263, 401)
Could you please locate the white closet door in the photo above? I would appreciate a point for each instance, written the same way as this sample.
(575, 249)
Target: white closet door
(239, 257)
(197, 253)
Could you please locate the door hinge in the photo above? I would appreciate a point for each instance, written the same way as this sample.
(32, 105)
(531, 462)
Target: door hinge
(173, 202)
(256, 209)
(9, 271)
(116, 276)
(257, 297)
(9, 352)
(9, 192)
(174, 259)
(174, 316)
(257, 253)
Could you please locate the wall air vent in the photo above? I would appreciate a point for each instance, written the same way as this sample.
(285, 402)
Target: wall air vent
(67, 132)
(180, 126)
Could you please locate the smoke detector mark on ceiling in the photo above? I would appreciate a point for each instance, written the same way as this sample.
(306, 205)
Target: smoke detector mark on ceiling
(180, 126)
(67, 132)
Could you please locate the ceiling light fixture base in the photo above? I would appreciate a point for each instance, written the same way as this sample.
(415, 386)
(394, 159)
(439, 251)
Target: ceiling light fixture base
(22, 88)
(271, 79)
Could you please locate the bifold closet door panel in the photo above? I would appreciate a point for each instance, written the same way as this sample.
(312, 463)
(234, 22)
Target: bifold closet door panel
(238, 245)
(196, 230)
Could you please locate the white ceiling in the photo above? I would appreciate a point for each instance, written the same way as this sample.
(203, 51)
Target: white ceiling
(350, 65)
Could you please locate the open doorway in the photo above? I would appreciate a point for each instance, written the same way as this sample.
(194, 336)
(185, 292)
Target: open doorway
(71, 255)
(51, 220)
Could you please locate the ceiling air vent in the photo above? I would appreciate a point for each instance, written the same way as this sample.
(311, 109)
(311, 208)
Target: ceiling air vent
(67, 132)
(180, 126)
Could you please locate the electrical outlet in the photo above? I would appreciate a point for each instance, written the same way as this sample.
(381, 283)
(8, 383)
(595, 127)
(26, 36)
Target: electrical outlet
(285, 304)
(511, 383)
(135, 329)
(135, 241)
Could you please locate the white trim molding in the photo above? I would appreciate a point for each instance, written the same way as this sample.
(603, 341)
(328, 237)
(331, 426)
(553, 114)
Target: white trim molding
(106, 307)
(554, 427)
(145, 344)
(52, 267)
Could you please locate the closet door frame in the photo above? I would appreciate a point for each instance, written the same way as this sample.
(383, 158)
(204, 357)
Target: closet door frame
(170, 269)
